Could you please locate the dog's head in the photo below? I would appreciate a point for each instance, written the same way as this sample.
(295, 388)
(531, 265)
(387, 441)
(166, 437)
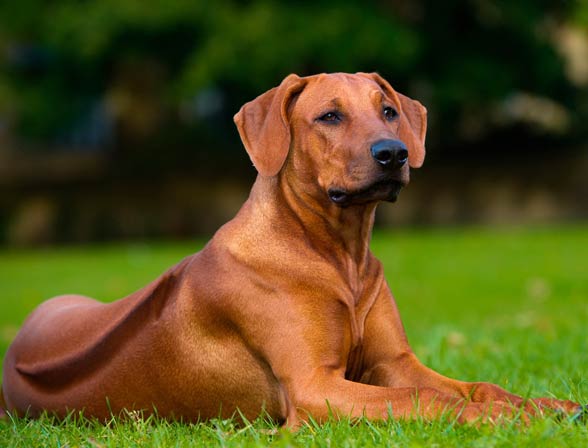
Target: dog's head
(347, 138)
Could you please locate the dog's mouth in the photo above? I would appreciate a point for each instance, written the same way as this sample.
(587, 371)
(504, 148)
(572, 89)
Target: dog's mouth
(383, 190)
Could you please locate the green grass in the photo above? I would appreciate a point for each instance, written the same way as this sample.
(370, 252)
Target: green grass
(508, 306)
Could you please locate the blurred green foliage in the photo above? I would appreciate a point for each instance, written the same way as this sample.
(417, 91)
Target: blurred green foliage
(150, 62)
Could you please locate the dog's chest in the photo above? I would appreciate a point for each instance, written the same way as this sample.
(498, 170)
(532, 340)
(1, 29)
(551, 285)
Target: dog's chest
(354, 367)
(357, 314)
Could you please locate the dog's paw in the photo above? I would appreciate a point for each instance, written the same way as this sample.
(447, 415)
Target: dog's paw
(564, 407)
(494, 413)
(581, 414)
(577, 415)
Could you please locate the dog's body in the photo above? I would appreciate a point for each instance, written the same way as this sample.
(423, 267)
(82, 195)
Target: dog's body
(285, 310)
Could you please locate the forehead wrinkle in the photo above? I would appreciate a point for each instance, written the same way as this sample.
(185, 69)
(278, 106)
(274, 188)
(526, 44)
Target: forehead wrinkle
(337, 103)
(377, 97)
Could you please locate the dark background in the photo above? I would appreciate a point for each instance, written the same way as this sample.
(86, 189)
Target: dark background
(116, 115)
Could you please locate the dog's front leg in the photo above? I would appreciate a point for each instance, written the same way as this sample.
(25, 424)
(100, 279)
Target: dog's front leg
(389, 362)
(306, 349)
(327, 393)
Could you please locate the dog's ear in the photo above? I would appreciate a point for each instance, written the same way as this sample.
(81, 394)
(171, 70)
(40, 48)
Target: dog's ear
(412, 127)
(264, 126)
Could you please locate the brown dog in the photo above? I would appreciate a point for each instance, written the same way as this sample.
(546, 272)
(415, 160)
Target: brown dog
(285, 310)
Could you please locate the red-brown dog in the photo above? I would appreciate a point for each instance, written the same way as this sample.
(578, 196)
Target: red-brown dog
(285, 310)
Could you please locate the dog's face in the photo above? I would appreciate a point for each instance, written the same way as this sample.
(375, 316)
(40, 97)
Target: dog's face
(346, 139)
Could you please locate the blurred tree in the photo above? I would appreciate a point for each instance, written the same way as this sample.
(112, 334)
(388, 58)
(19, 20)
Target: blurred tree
(135, 74)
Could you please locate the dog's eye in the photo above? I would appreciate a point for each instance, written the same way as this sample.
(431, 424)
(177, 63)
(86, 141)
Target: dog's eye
(390, 113)
(330, 116)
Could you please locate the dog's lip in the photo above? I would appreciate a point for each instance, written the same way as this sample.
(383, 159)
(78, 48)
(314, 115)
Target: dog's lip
(338, 196)
(344, 197)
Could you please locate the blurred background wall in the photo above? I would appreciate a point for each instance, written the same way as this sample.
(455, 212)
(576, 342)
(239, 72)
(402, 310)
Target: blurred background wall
(116, 115)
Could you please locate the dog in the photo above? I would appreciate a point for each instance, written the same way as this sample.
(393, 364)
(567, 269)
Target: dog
(285, 311)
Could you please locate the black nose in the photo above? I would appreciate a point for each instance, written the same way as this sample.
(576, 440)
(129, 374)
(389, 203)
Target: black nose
(390, 153)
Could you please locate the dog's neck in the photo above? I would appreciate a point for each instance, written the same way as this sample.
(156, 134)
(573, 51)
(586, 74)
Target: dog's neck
(329, 228)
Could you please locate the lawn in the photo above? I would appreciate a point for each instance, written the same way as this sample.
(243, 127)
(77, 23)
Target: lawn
(508, 306)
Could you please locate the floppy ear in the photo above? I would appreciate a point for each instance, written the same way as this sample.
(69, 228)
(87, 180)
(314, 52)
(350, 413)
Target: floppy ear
(264, 127)
(412, 127)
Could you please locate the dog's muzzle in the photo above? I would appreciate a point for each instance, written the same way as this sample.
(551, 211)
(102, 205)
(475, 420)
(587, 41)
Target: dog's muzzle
(391, 156)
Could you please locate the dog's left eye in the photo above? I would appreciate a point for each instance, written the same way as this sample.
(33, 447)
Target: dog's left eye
(330, 116)
(390, 113)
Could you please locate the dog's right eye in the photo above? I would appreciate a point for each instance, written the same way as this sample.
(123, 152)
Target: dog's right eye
(330, 117)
